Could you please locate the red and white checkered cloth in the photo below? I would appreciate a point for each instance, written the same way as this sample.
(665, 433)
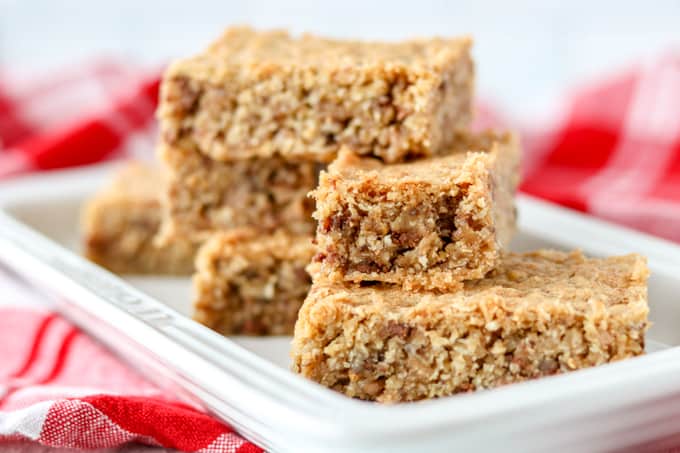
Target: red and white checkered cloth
(611, 148)
(100, 111)
(613, 151)
(60, 388)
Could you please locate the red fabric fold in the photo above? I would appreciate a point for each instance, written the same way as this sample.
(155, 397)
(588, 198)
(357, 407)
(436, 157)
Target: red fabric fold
(60, 388)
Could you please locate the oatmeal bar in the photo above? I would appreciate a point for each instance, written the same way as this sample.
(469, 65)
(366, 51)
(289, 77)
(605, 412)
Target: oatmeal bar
(426, 224)
(251, 284)
(120, 222)
(537, 314)
(204, 196)
(264, 93)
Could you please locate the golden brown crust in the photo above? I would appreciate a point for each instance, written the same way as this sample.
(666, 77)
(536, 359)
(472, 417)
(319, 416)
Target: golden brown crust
(252, 284)
(425, 224)
(265, 93)
(120, 222)
(537, 314)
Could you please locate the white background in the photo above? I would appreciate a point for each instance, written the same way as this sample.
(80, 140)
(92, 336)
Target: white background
(528, 52)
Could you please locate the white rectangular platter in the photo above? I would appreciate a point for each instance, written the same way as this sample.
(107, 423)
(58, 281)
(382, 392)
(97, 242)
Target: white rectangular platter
(633, 404)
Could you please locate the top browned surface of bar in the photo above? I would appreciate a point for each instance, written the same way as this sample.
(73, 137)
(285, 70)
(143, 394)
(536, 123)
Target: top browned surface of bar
(263, 93)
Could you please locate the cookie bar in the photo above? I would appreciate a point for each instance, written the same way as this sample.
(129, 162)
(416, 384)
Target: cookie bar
(204, 196)
(428, 224)
(537, 314)
(265, 93)
(251, 284)
(119, 224)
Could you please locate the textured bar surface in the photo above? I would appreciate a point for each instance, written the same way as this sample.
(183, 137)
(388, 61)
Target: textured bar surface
(120, 222)
(268, 93)
(426, 224)
(204, 196)
(537, 314)
(251, 284)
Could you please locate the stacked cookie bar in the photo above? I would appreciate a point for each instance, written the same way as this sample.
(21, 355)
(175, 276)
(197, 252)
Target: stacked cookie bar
(252, 284)
(266, 94)
(120, 222)
(247, 124)
(416, 296)
(536, 314)
(426, 224)
(395, 274)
